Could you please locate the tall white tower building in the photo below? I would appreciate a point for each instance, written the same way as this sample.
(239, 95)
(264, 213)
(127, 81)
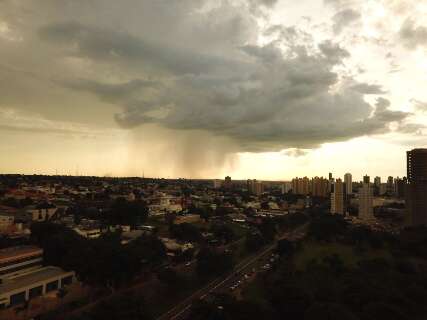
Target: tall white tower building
(337, 197)
(366, 211)
(348, 183)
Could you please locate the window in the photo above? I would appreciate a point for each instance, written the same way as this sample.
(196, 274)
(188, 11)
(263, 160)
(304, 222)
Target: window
(17, 298)
(67, 280)
(35, 292)
(52, 286)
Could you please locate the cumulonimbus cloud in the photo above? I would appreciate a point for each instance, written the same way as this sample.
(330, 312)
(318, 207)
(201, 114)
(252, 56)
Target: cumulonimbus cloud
(197, 65)
(279, 101)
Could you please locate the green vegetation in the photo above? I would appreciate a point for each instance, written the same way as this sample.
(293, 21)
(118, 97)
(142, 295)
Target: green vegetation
(342, 272)
(101, 262)
(314, 250)
(127, 306)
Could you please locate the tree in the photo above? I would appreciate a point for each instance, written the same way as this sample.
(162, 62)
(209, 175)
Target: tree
(268, 229)
(335, 263)
(185, 232)
(126, 307)
(254, 241)
(327, 227)
(328, 311)
(210, 262)
(289, 299)
(379, 310)
(286, 248)
(206, 213)
(127, 212)
(222, 232)
(169, 277)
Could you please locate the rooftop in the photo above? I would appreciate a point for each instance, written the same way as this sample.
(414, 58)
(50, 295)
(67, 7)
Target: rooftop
(13, 253)
(31, 278)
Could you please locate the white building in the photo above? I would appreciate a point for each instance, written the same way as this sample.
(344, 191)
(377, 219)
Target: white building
(337, 197)
(383, 189)
(366, 211)
(255, 187)
(217, 183)
(23, 277)
(286, 187)
(348, 183)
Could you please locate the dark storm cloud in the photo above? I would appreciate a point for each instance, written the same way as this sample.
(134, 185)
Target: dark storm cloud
(413, 35)
(109, 45)
(282, 103)
(267, 3)
(196, 66)
(333, 52)
(295, 152)
(382, 104)
(111, 92)
(344, 18)
(366, 88)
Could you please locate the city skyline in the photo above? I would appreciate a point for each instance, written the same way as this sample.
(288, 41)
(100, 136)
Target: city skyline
(213, 89)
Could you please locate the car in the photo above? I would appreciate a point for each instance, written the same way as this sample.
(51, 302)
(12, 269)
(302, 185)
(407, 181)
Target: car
(188, 264)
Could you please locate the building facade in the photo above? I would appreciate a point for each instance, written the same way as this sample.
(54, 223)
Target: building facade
(320, 187)
(227, 182)
(338, 197)
(348, 183)
(255, 187)
(416, 191)
(301, 186)
(22, 276)
(366, 210)
(390, 186)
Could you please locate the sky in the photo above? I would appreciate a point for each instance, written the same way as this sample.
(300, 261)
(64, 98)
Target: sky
(266, 89)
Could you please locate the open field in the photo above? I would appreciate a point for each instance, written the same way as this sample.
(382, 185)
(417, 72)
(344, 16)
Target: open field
(349, 255)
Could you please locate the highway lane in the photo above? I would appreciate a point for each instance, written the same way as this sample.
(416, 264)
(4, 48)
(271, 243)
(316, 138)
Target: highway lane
(180, 311)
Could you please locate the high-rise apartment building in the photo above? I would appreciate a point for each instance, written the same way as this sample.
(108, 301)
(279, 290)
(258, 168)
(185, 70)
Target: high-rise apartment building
(390, 186)
(348, 183)
(338, 197)
(377, 182)
(227, 182)
(383, 189)
(416, 192)
(399, 187)
(301, 186)
(217, 183)
(286, 187)
(319, 187)
(255, 187)
(366, 211)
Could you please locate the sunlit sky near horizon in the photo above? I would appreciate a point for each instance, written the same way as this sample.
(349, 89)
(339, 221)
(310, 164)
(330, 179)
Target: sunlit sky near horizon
(266, 89)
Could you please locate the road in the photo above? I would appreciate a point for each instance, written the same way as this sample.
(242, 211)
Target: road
(181, 310)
